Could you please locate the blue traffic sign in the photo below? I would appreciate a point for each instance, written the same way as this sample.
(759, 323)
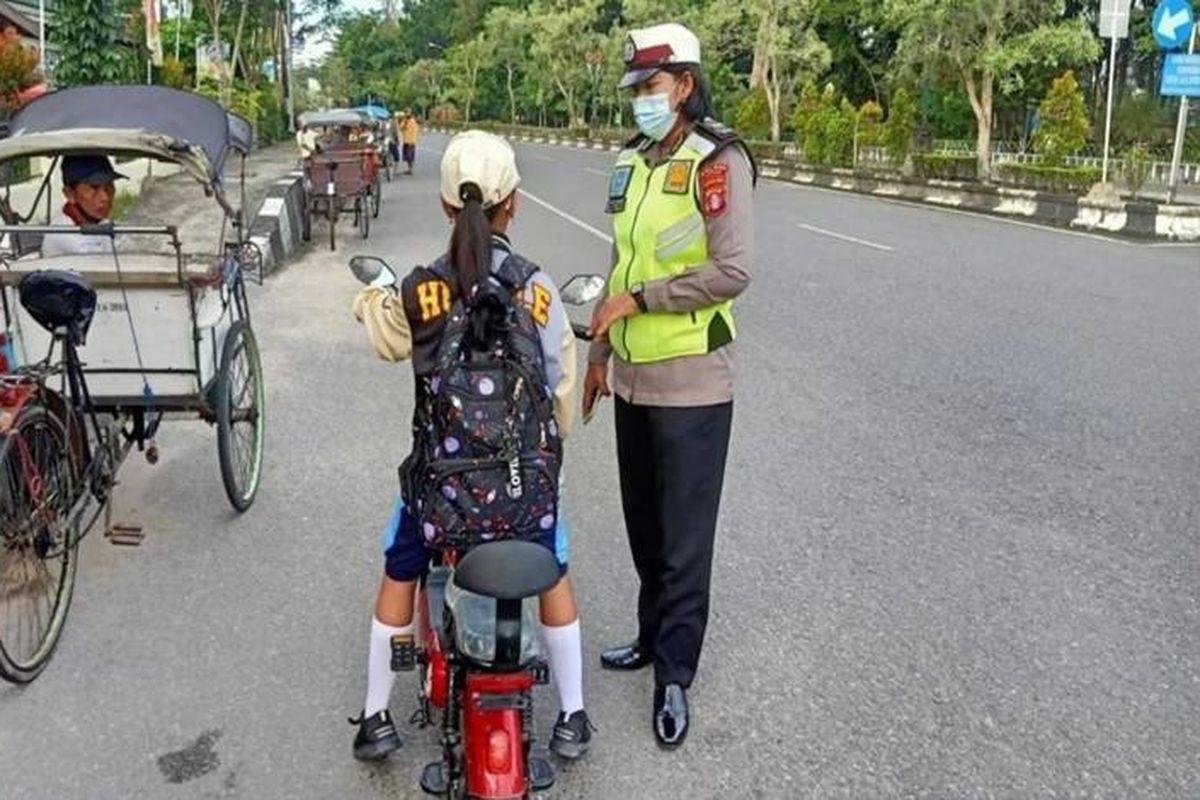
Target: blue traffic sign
(1172, 24)
(1181, 75)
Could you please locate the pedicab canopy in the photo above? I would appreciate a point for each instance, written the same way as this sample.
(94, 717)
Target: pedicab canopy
(334, 117)
(375, 112)
(155, 121)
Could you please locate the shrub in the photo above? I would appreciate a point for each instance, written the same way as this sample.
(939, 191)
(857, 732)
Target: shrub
(175, 74)
(1064, 124)
(18, 67)
(870, 124)
(901, 122)
(753, 119)
(271, 125)
(1137, 163)
(1068, 180)
(825, 127)
(945, 166)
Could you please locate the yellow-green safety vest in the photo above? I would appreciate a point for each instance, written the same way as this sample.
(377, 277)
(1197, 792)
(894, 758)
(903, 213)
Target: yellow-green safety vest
(659, 232)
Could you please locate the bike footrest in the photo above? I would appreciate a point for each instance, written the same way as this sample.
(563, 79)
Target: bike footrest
(125, 535)
(433, 778)
(541, 773)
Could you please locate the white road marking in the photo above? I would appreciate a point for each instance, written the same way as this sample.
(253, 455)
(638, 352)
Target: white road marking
(573, 220)
(845, 238)
(599, 172)
(541, 157)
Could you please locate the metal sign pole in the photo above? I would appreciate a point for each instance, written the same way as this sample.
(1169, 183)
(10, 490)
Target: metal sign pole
(291, 75)
(1112, 70)
(1180, 132)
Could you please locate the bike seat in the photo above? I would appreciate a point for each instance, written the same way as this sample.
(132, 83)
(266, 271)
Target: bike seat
(507, 570)
(57, 299)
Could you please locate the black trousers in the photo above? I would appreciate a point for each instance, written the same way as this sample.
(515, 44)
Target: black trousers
(672, 465)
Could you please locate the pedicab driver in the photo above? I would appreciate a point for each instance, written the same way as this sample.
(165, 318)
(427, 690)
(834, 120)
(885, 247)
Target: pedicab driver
(680, 200)
(89, 185)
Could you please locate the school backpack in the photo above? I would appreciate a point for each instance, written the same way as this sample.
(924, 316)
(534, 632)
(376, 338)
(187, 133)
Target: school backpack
(488, 457)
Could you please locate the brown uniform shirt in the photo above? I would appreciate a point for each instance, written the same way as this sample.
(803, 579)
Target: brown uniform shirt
(705, 379)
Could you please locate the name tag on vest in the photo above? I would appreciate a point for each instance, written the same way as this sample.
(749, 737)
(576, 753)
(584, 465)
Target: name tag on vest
(618, 187)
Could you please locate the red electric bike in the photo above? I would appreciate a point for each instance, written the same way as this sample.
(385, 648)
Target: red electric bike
(477, 643)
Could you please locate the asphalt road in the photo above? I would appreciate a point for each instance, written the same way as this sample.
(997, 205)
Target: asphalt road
(958, 554)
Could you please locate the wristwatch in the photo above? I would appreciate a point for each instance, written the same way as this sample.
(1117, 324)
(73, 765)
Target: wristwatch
(638, 292)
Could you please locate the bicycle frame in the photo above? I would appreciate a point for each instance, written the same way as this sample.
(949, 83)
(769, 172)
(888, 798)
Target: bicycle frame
(95, 450)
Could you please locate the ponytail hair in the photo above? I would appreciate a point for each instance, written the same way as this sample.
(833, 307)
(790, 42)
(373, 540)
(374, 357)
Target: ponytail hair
(471, 242)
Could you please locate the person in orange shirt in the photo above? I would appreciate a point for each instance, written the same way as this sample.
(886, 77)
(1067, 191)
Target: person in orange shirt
(409, 132)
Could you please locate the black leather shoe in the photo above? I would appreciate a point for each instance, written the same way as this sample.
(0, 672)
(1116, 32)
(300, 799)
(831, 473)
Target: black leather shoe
(670, 715)
(629, 657)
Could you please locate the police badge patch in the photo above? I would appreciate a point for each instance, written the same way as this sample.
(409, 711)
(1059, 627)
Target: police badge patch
(678, 178)
(618, 187)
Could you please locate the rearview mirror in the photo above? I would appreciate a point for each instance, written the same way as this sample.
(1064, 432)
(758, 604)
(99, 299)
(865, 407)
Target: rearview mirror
(372, 271)
(583, 289)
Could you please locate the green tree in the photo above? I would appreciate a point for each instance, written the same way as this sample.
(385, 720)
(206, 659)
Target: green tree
(787, 51)
(563, 36)
(463, 62)
(1064, 123)
(990, 45)
(87, 35)
(506, 33)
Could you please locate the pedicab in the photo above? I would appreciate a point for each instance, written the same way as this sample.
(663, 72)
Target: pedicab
(342, 175)
(99, 348)
(380, 122)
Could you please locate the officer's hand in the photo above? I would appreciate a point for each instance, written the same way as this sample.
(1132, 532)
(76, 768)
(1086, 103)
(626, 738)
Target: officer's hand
(611, 310)
(595, 385)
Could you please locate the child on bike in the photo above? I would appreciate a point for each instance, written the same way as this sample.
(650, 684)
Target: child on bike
(479, 181)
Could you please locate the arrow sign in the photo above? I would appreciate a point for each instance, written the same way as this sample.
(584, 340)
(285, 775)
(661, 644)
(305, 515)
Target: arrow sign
(1172, 24)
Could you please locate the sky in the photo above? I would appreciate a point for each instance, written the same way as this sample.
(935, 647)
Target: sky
(315, 49)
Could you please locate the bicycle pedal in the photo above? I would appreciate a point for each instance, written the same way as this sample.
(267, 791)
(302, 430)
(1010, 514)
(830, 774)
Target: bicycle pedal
(404, 653)
(125, 535)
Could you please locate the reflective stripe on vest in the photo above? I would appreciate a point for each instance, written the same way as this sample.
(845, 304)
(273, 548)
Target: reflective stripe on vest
(659, 232)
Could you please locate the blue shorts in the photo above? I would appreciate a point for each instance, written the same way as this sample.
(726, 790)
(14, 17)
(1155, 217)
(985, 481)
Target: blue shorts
(406, 557)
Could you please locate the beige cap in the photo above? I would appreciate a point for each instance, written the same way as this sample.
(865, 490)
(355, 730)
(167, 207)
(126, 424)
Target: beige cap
(483, 159)
(650, 49)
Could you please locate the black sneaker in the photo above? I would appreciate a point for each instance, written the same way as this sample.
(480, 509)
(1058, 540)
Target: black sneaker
(571, 735)
(376, 737)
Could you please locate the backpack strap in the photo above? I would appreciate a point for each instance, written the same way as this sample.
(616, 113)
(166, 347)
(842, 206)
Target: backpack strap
(514, 272)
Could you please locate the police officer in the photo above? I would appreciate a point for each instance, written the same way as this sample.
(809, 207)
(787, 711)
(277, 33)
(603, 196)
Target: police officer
(680, 199)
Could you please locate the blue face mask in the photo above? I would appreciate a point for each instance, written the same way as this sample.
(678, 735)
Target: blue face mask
(653, 115)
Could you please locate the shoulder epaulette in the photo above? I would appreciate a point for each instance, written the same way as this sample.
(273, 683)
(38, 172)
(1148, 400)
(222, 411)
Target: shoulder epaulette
(723, 136)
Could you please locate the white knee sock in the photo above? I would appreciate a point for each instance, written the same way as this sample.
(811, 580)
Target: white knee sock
(566, 664)
(379, 666)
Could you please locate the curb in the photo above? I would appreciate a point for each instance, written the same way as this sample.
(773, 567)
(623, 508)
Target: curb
(1134, 219)
(276, 226)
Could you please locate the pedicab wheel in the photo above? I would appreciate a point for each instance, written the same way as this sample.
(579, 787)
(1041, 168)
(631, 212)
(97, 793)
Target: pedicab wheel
(306, 220)
(39, 546)
(240, 415)
(376, 197)
(364, 219)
